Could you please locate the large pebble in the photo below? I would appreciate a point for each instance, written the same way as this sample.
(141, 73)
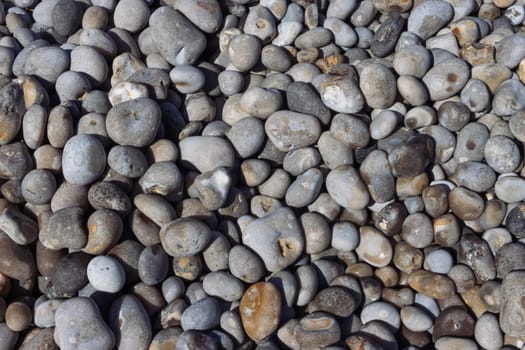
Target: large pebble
(206, 153)
(291, 130)
(374, 247)
(83, 159)
(430, 17)
(346, 188)
(431, 284)
(223, 285)
(130, 323)
(175, 37)
(487, 332)
(206, 15)
(341, 94)
(277, 238)
(184, 237)
(260, 310)
(317, 330)
(378, 85)
(245, 264)
(510, 189)
(511, 308)
(86, 59)
(79, 324)
(18, 261)
(201, 315)
(335, 300)
(131, 15)
(66, 16)
(134, 123)
(65, 229)
(446, 78)
(49, 73)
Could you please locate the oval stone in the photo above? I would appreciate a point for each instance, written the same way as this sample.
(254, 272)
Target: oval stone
(260, 310)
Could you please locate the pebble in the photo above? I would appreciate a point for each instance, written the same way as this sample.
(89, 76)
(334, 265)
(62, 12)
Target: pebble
(184, 237)
(317, 330)
(201, 315)
(346, 188)
(223, 285)
(382, 93)
(431, 284)
(244, 51)
(130, 323)
(276, 238)
(106, 274)
(83, 159)
(429, 18)
(487, 332)
(502, 154)
(341, 94)
(79, 323)
(166, 23)
(291, 130)
(509, 189)
(374, 248)
(18, 316)
(337, 301)
(415, 318)
(446, 78)
(260, 310)
(475, 252)
(454, 342)
(206, 153)
(64, 230)
(68, 275)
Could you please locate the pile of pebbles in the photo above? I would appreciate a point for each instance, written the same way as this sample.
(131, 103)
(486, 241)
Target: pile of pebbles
(274, 174)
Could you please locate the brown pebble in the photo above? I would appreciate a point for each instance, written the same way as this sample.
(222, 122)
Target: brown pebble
(453, 321)
(18, 316)
(431, 284)
(260, 310)
(16, 261)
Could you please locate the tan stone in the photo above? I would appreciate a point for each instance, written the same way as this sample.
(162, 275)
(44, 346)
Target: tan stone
(466, 31)
(260, 310)
(431, 284)
(503, 3)
(491, 74)
(472, 298)
(477, 54)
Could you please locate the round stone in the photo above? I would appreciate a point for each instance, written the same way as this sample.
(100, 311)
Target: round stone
(184, 237)
(134, 123)
(106, 274)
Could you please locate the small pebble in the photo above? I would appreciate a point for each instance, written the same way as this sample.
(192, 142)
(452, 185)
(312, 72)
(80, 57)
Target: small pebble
(106, 274)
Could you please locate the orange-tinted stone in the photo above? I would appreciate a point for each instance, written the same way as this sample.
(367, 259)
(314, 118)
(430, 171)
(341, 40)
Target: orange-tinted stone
(260, 310)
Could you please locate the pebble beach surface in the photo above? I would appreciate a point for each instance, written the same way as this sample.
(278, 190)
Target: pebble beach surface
(273, 174)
